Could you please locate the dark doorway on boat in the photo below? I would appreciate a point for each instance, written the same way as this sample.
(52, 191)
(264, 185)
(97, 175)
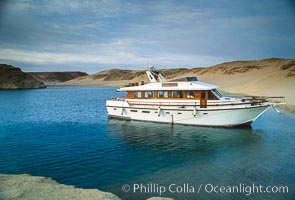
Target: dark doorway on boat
(203, 101)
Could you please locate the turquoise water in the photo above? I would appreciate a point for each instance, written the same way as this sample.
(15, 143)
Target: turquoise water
(65, 134)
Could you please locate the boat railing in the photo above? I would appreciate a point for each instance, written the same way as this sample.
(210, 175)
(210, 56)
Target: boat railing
(261, 99)
(159, 103)
(277, 100)
(242, 100)
(184, 104)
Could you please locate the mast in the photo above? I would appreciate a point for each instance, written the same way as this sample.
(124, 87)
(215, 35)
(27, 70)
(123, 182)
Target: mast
(154, 75)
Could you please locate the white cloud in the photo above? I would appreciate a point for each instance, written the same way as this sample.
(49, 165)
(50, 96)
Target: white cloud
(119, 58)
(165, 33)
(101, 8)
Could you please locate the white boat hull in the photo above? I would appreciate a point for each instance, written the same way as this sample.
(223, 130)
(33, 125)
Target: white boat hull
(219, 117)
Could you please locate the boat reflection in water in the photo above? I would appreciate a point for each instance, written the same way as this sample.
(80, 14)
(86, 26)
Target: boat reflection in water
(165, 137)
(165, 154)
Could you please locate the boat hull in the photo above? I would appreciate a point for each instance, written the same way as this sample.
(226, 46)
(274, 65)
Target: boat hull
(217, 117)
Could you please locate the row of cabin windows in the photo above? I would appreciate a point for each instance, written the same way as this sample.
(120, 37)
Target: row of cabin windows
(175, 94)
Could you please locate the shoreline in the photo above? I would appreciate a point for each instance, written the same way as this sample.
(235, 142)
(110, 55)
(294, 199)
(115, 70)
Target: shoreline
(27, 187)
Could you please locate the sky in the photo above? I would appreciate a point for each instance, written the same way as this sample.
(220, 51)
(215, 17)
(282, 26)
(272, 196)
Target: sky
(90, 36)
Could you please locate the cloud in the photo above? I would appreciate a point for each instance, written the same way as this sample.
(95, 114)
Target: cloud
(117, 58)
(101, 8)
(133, 33)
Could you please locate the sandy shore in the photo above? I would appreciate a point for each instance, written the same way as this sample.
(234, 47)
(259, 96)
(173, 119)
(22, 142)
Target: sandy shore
(26, 187)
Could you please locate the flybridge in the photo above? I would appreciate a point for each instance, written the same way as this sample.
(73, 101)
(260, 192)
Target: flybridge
(155, 76)
(158, 82)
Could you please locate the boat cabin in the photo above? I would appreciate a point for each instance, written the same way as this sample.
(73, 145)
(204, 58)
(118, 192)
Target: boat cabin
(176, 95)
(184, 91)
(187, 88)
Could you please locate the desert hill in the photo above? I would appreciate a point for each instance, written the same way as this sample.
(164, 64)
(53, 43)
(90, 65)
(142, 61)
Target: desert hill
(14, 78)
(51, 78)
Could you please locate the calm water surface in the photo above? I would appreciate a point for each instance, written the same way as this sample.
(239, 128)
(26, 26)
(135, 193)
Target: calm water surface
(65, 134)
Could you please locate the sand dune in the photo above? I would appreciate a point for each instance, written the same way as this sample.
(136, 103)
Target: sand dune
(271, 78)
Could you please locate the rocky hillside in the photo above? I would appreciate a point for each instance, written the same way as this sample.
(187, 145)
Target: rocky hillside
(51, 78)
(14, 78)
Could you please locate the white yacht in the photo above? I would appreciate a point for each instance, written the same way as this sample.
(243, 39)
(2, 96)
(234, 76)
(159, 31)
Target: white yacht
(184, 101)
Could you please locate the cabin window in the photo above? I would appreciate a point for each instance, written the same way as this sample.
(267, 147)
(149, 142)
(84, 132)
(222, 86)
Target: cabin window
(176, 94)
(162, 94)
(148, 94)
(190, 94)
(217, 93)
(137, 94)
(211, 96)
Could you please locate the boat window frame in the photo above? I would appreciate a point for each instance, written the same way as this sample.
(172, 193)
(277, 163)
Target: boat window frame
(179, 94)
(217, 93)
(164, 92)
(146, 96)
(138, 96)
(190, 94)
(212, 95)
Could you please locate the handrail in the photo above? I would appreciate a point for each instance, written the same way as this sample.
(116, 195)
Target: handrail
(253, 100)
(183, 104)
(277, 100)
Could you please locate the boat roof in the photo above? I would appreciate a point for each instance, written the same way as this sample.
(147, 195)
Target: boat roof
(159, 86)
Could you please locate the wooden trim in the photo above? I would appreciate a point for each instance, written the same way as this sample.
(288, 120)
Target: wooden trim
(157, 104)
(130, 95)
(197, 95)
(179, 109)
